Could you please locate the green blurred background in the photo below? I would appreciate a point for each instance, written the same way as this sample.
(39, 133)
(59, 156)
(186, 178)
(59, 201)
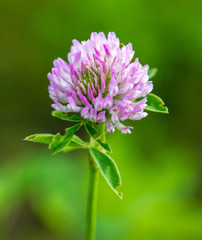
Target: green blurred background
(44, 196)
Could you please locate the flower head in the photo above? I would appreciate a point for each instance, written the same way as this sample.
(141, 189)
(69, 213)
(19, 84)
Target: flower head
(100, 82)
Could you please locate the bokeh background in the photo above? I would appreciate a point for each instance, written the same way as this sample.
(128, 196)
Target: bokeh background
(44, 196)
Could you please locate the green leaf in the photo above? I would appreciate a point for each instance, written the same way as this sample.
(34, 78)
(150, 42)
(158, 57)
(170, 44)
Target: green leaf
(59, 141)
(45, 138)
(73, 129)
(152, 72)
(106, 146)
(69, 148)
(155, 104)
(76, 143)
(91, 130)
(108, 169)
(138, 99)
(64, 116)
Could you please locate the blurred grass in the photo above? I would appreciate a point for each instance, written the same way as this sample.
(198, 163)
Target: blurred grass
(44, 197)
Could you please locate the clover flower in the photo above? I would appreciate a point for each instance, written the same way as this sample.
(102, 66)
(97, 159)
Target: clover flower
(101, 85)
(100, 82)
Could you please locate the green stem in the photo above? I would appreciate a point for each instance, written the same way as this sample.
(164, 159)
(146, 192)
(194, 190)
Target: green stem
(92, 200)
(93, 192)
